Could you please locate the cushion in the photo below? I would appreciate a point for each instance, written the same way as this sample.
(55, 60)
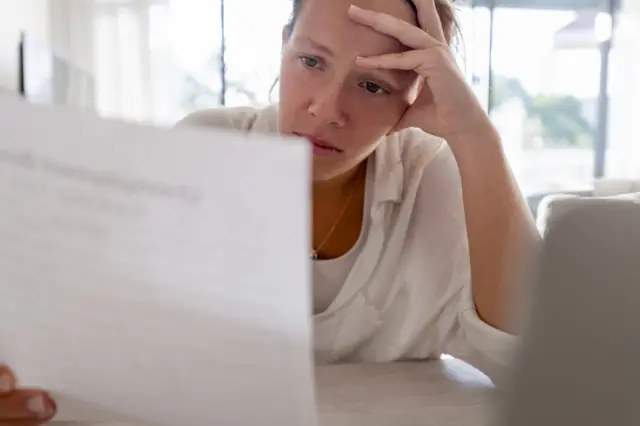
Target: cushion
(554, 206)
(610, 187)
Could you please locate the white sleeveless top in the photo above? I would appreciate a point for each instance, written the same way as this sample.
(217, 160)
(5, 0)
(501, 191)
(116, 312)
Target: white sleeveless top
(329, 275)
(404, 291)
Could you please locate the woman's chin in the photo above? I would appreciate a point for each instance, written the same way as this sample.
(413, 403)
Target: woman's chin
(331, 173)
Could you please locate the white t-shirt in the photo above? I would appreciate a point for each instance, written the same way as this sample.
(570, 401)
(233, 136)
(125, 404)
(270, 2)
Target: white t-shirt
(404, 291)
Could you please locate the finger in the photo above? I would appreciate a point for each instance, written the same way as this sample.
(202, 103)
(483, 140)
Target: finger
(408, 34)
(429, 19)
(7, 380)
(28, 405)
(412, 60)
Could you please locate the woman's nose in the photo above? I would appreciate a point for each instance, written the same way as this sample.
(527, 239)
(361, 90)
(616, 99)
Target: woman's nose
(325, 106)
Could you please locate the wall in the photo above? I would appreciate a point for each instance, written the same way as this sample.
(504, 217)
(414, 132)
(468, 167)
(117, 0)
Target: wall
(17, 16)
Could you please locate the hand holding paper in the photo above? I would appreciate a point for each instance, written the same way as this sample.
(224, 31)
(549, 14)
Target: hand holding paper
(154, 275)
(27, 406)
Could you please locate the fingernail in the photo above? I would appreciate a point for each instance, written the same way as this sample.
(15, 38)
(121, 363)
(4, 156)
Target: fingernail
(354, 7)
(40, 406)
(6, 382)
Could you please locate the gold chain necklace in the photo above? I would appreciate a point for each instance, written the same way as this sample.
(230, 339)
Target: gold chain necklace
(314, 252)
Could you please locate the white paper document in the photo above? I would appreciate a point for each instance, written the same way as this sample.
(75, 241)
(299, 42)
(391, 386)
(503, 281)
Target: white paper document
(155, 276)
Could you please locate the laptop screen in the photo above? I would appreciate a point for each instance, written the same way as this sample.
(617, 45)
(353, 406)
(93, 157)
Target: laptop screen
(580, 357)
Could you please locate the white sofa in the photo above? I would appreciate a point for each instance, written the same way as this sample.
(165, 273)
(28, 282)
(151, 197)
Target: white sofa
(553, 206)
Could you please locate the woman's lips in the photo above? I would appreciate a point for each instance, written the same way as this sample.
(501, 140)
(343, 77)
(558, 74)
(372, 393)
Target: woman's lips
(323, 150)
(322, 147)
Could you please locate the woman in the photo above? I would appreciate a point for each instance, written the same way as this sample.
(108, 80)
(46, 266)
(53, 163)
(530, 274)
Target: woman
(412, 236)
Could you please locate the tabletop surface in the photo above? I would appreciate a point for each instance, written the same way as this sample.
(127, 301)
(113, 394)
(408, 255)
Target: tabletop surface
(435, 393)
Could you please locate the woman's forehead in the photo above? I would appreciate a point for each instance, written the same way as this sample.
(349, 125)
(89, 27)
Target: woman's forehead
(327, 22)
(399, 8)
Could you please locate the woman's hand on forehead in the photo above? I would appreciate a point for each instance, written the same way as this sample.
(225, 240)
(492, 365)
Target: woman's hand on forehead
(429, 20)
(446, 105)
(406, 33)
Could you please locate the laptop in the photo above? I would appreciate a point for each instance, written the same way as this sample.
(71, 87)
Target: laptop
(579, 363)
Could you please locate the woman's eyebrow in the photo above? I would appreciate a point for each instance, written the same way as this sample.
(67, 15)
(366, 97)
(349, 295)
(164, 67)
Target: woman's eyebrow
(316, 45)
(398, 78)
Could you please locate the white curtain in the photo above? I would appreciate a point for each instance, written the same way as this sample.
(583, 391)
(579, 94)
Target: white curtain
(136, 76)
(71, 35)
(623, 156)
(124, 44)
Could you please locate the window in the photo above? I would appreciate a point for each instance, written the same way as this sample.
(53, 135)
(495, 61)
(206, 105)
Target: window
(135, 72)
(538, 66)
(541, 81)
(227, 56)
(196, 46)
(545, 95)
(253, 45)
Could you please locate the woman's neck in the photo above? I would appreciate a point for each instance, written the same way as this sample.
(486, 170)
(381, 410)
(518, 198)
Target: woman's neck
(338, 213)
(340, 185)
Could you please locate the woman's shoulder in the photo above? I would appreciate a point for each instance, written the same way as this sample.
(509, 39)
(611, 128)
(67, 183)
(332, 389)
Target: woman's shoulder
(419, 151)
(414, 167)
(431, 189)
(244, 118)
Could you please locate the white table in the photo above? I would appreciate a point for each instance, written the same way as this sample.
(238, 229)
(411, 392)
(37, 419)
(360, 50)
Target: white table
(436, 393)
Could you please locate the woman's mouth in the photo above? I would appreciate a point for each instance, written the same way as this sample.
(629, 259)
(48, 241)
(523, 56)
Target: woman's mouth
(321, 147)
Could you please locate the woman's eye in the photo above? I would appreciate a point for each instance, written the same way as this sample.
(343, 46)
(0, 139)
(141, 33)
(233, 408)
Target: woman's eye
(310, 62)
(373, 88)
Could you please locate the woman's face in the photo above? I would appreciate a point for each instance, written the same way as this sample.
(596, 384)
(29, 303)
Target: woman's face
(342, 109)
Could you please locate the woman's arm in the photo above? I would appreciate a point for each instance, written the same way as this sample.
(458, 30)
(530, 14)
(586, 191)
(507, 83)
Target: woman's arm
(503, 238)
(501, 232)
